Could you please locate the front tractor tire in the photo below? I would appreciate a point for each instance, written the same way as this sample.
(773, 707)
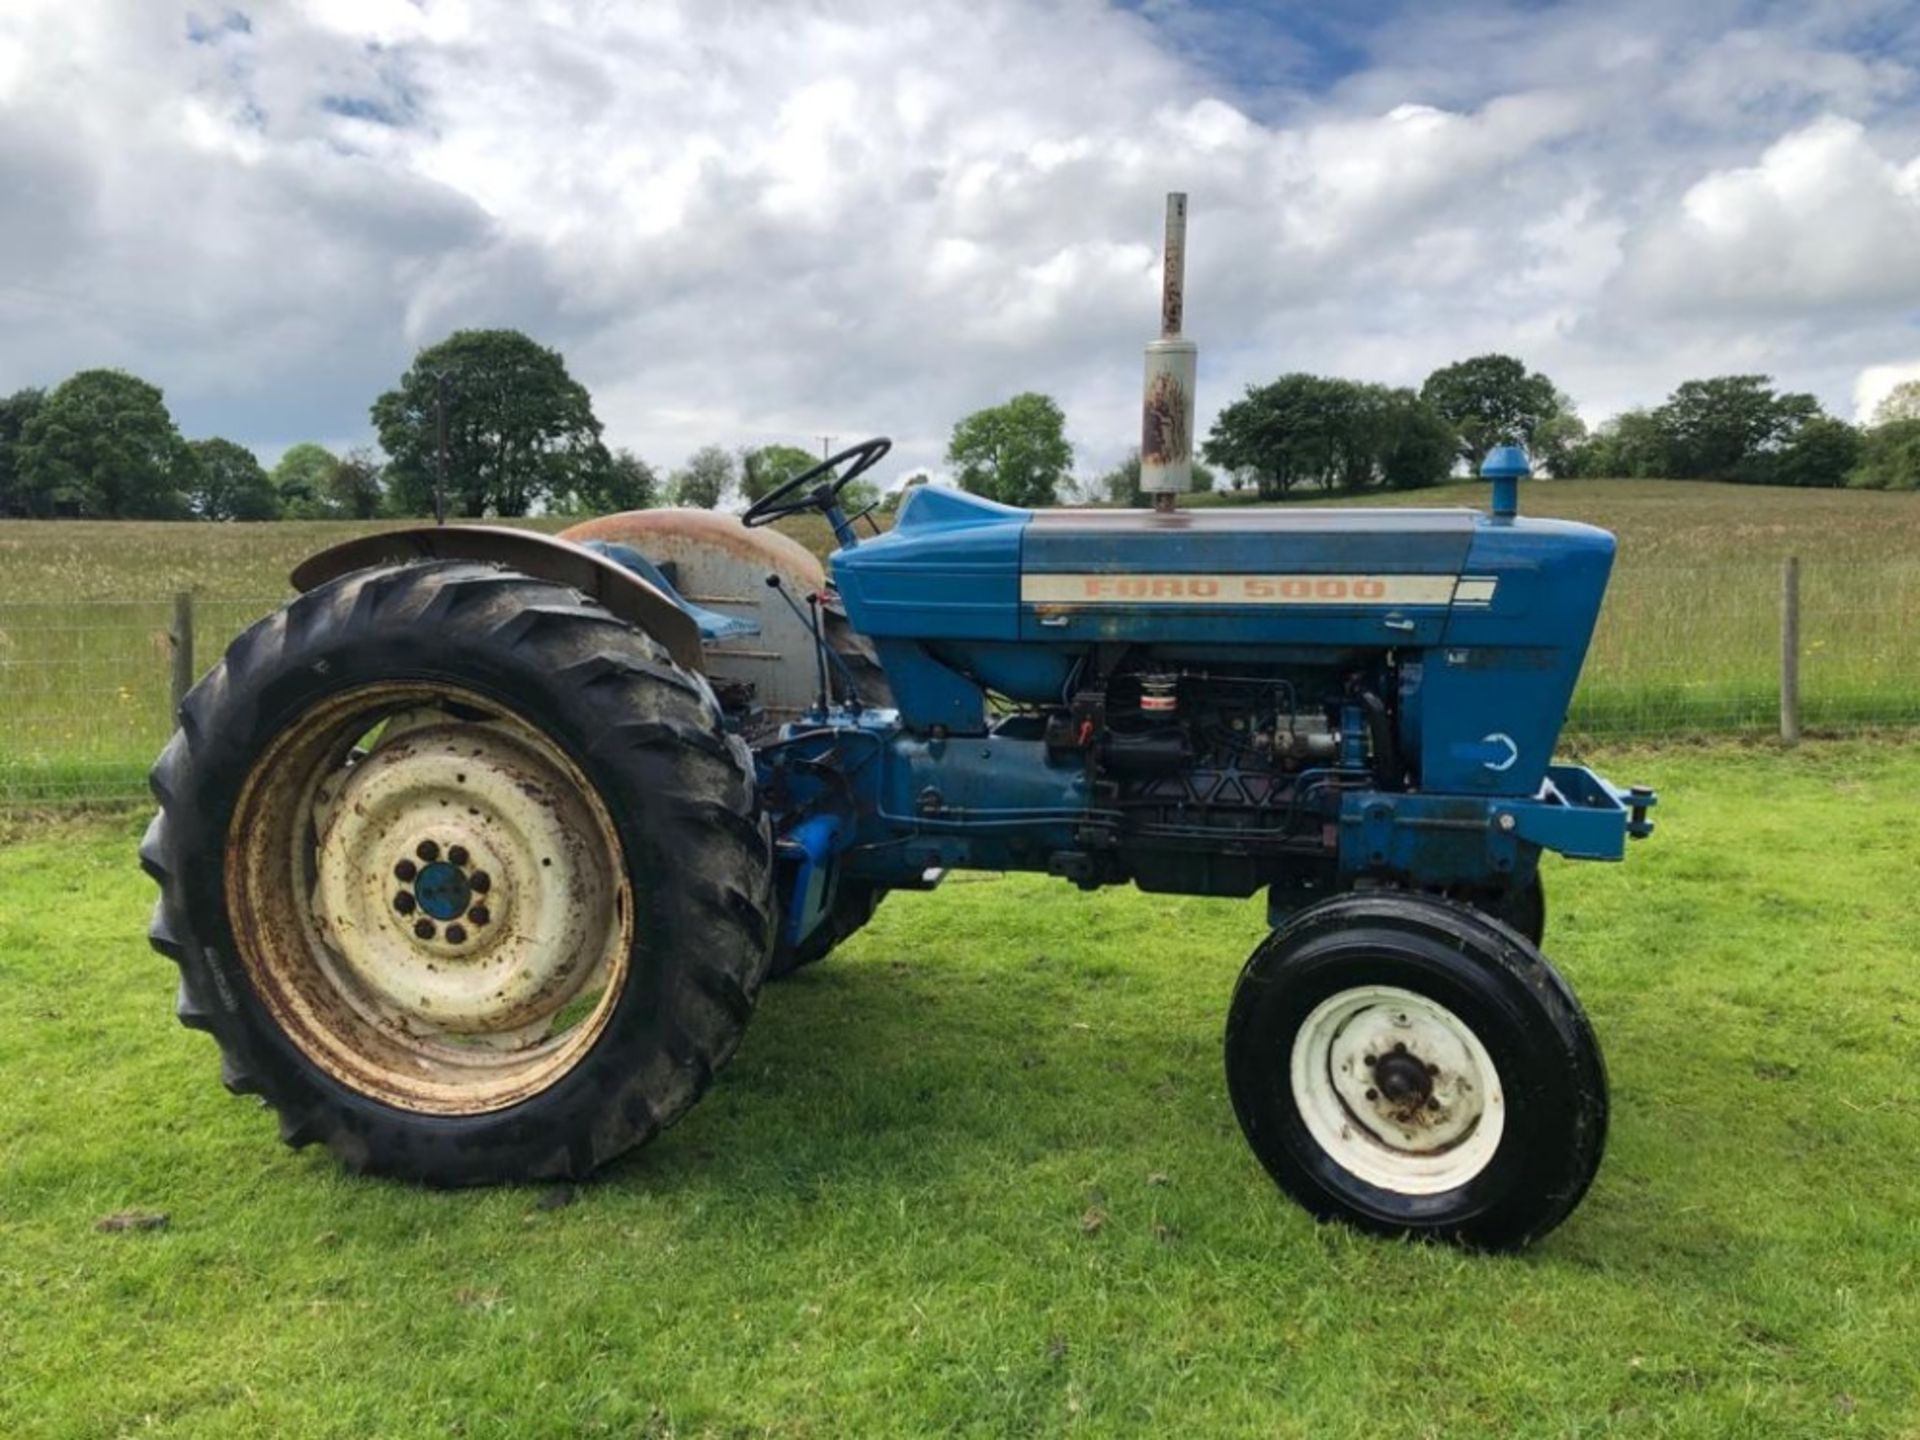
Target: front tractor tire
(462, 874)
(1413, 1067)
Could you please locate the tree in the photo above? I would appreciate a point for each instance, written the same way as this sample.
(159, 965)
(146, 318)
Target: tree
(764, 470)
(301, 480)
(1274, 434)
(626, 482)
(704, 480)
(352, 488)
(1336, 434)
(1821, 453)
(1889, 457)
(1557, 438)
(1491, 400)
(228, 483)
(15, 411)
(1121, 485)
(1016, 453)
(520, 430)
(630, 484)
(103, 445)
(1712, 428)
(1416, 445)
(858, 495)
(1900, 403)
(1630, 446)
(1730, 427)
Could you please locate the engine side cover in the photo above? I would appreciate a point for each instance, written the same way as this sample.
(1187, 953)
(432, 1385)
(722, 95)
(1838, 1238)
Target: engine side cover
(1496, 613)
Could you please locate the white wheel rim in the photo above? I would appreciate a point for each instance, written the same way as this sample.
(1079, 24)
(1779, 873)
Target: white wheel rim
(1397, 1090)
(459, 884)
(439, 914)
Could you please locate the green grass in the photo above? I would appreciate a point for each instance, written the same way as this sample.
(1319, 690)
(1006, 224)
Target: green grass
(1689, 640)
(887, 1217)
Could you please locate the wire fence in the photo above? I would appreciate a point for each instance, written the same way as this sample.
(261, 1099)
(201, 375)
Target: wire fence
(86, 687)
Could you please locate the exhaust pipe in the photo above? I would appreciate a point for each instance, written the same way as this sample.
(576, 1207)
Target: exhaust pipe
(1166, 424)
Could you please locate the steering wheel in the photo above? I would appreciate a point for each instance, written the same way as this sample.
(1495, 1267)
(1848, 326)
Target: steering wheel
(825, 496)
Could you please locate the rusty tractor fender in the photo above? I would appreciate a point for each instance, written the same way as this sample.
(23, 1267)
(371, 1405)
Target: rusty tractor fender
(629, 596)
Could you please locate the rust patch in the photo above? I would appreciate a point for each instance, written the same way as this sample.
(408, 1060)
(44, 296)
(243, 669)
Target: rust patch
(268, 866)
(655, 533)
(1165, 435)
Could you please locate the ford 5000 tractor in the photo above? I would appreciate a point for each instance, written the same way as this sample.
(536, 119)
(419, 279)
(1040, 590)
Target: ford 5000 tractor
(474, 857)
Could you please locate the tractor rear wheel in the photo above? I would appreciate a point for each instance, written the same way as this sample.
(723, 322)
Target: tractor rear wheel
(1413, 1068)
(462, 874)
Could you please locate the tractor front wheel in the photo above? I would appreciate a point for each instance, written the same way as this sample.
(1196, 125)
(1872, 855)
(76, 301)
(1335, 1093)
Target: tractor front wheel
(462, 874)
(1408, 1066)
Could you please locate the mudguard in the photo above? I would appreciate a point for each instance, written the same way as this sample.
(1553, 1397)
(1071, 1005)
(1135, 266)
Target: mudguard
(626, 594)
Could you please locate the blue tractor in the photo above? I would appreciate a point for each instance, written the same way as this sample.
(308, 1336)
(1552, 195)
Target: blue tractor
(475, 856)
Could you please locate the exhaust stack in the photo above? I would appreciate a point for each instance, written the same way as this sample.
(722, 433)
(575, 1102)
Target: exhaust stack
(1166, 424)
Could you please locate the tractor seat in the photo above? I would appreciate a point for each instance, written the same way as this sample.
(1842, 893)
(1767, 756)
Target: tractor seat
(712, 624)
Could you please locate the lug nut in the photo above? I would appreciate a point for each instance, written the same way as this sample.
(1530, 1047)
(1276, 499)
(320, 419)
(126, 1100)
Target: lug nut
(1373, 1094)
(403, 902)
(404, 871)
(423, 928)
(456, 934)
(427, 851)
(480, 881)
(1433, 1102)
(458, 854)
(478, 915)
(1373, 1060)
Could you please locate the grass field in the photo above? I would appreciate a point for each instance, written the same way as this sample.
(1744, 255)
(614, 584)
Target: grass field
(1689, 641)
(976, 1175)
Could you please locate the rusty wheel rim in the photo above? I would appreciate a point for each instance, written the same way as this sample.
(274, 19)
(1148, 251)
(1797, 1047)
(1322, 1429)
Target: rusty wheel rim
(430, 898)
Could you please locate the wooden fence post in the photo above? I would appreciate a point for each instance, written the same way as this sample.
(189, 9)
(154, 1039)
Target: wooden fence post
(180, 639)
(1790, 651)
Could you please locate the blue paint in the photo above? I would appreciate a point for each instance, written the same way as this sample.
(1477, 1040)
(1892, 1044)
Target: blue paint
(442, 890)
(809, 847)
(1438, 691)
(1506, 466)
(712, 624)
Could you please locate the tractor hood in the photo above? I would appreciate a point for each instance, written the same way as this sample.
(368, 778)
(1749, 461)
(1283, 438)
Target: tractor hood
(959, 567)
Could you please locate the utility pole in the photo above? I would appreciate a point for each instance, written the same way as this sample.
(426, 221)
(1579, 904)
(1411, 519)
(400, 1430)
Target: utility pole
(826, 446)
(440, 454)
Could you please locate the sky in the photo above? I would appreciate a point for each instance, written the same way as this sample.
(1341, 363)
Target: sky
(750, 222)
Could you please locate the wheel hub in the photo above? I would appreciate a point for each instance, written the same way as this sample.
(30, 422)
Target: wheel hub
(442, 891)
(1403, 1081)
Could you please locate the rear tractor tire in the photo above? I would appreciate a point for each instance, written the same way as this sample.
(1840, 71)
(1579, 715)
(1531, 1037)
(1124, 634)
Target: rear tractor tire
(1412, 1067)
(462, 874)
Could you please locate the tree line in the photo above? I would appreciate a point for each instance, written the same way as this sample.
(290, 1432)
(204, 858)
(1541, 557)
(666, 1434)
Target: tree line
(1318, 432)
(491, 414)
(511, 432)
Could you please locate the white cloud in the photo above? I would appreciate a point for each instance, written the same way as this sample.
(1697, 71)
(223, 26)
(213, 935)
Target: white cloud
(1876, 382)
(1821, 223)
(766, 221)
